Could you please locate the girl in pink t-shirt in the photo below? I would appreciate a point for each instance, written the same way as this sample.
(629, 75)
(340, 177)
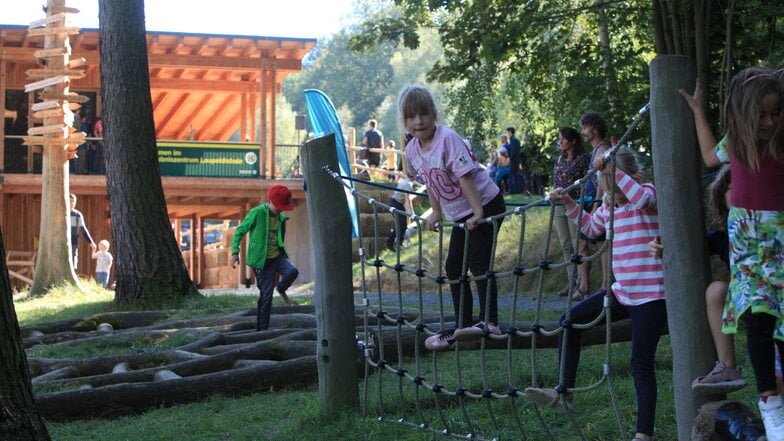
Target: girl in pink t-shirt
(754, 147)
(460, 191)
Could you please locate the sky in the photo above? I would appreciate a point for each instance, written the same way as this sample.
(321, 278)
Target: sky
(268, 18)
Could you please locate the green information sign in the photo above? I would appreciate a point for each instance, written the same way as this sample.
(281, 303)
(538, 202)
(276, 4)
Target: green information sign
(208, 159)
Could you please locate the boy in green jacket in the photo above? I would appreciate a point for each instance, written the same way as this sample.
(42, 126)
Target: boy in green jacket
(266, 251)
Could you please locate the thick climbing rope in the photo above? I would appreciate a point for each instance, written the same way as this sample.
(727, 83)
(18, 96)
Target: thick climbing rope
(452, 386)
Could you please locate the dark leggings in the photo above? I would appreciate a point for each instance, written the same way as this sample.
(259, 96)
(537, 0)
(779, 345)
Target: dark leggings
(648, 321)
(760, 341)
(480, 246)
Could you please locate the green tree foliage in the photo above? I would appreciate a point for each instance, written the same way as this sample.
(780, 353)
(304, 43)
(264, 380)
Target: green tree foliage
(545, 62)
(358, 81)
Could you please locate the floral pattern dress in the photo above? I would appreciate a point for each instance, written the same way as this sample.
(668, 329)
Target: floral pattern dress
(756, 263)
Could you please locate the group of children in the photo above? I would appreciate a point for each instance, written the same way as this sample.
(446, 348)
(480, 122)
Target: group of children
(462, 192)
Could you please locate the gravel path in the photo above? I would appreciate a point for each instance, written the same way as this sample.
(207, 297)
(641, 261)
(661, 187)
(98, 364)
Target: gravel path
(550, 302)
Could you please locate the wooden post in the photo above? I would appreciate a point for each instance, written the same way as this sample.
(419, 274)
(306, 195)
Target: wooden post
(677, 167)
(333, 296)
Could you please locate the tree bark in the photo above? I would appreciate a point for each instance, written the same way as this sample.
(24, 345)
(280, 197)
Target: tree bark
(19, 417)
(54, 265)
(150, 270)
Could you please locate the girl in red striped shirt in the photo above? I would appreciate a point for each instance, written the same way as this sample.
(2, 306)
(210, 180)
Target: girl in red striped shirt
(638, 292)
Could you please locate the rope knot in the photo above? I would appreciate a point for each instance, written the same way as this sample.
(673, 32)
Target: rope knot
(487, 393)
(512, 391)
(401, 320)
(381, 314)
(401, 372)
(381, 363)
(460, 392)
(577, 259)
(437, 388)
(536, 328)
(491, 274)
(378, 263)
(420, 272)
(400, 267)
(518, 270)
(420, 327)
(419, 380)
(544, 265)
(441, 280)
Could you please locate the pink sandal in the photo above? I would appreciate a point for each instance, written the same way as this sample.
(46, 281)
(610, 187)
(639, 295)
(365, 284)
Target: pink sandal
(722, 379)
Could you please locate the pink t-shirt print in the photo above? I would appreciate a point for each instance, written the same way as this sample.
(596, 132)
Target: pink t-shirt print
(447, 159)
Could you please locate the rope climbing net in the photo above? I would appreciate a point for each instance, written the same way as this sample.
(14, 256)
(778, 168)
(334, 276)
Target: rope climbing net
(477, 389)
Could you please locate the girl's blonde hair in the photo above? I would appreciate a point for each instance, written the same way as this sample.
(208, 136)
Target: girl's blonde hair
(415, 100)
(742, 109)
(625, 160)
(105, 243)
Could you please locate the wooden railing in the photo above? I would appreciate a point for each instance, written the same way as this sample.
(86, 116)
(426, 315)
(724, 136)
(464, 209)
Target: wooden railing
(21, 265)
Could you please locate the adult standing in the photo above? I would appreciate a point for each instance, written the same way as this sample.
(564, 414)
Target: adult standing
(571, 165)
(78, 227)
(95, 154)
(593, 129)
(266, 251)
(514, 150)
(373, 139)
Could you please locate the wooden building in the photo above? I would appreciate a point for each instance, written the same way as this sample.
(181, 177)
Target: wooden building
(203, 88)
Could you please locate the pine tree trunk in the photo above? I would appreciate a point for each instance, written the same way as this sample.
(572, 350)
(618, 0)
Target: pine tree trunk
(54, 265)
(19, 417)
(150, 270)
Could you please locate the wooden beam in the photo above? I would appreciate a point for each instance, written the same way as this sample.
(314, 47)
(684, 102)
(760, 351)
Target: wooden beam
(202, 86)
(186, 124)
(229, 127)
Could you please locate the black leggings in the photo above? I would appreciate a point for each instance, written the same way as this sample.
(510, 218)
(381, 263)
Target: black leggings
(480, 246)
(760, 343)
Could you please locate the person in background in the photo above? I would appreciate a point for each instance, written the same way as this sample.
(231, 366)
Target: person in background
(401, 201)
(571, 165)
(103, 263)
(372, 139)
(266, 250)
(593, 129)
(78, 228)
(514, 149)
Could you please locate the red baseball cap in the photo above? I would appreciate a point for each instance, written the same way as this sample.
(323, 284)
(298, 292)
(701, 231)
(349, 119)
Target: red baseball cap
(280, 197)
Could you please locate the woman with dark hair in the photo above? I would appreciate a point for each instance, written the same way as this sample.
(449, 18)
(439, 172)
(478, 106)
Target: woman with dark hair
(571, 165)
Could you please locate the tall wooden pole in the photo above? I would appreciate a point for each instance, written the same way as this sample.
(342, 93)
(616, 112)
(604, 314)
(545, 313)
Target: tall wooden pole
(333, 297)
(54, 265)
(676, 164)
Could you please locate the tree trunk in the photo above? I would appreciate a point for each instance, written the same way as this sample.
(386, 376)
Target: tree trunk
(608, 67)
(19, 418)
(54, 265)
(150, 270)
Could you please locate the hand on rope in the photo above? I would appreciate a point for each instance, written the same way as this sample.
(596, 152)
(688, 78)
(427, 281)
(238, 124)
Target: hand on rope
(434, 221)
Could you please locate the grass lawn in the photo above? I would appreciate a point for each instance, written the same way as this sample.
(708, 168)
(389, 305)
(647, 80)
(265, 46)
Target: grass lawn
(283, 414)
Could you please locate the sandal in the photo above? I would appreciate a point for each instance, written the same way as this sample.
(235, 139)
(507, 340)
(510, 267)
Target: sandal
(580, 294)
(722, 379)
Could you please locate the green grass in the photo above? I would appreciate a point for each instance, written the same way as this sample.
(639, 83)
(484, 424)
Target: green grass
(284, 414)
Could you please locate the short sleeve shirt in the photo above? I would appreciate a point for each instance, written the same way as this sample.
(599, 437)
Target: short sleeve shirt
(446, 159)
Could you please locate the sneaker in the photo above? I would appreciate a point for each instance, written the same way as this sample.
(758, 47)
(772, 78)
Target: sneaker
(549, 398)
(721, 380)
(772, 417)
(441, 341)
(475, 332)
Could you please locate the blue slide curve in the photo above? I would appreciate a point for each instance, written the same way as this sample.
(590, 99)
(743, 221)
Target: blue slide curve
(325, 121)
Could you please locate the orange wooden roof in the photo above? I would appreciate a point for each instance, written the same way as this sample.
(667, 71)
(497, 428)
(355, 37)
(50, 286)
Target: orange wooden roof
(199, 82)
